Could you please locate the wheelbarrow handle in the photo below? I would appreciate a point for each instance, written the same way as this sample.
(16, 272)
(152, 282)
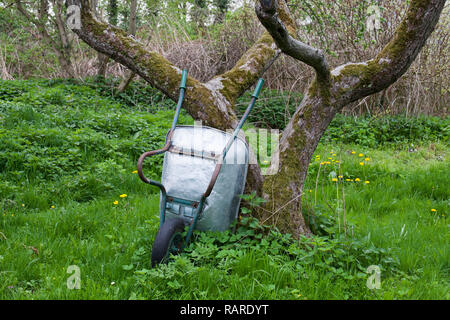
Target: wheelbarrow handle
(213, 180)
(149, 154)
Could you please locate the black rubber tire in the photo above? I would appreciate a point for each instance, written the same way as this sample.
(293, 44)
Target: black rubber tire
(170, 231)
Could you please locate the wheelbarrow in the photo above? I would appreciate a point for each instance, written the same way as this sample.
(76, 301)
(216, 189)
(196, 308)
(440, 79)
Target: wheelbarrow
(203, 177)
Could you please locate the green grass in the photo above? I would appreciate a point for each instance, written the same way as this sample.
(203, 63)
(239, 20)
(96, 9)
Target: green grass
(68, 151)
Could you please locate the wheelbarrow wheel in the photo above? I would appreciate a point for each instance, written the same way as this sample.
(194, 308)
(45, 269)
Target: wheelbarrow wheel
(169, 240)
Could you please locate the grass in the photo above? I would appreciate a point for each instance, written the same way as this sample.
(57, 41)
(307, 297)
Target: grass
(69, 151)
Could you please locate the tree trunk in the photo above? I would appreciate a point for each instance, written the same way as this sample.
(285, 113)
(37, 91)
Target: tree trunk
(129, 75)
(65, 45)
(61, 47)
(327, 95)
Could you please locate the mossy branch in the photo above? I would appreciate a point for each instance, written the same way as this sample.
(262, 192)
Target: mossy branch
(354, 81)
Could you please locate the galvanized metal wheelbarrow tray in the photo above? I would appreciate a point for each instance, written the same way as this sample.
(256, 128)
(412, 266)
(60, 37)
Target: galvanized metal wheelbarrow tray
(203, 176)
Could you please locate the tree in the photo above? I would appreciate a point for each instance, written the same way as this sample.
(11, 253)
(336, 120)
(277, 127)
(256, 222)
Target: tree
(113, 13)
(129, 75)
(59, 42)
(330, 90)
(199, 13)
(221, 10)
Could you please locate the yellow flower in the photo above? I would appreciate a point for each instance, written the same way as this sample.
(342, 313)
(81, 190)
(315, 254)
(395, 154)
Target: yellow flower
(361, 155)
(53, 207)
(367, 159)
(23, 205)
(334, 179)
(340, 177)
(357, 179)
(334, 154)
(433, 210)
(353, 152)
(361, 163)
(123, 195)
(348, 180)
(337, 161)
(366, 182)
(135, 171)
(116, 202)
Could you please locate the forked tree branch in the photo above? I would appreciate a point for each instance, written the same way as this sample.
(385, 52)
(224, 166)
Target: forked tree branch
(267, 12)
(212, 102)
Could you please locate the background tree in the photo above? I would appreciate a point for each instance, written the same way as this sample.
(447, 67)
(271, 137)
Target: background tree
(213, 101)
(58, 41)
(129, 75)
(221, 8)
(199, 14)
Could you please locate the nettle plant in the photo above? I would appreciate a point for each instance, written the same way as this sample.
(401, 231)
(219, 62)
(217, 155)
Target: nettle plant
(251, 242)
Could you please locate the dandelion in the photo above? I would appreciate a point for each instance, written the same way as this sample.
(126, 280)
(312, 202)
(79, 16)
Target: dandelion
(23, 205)
(135, 171)
(357, 179)
(334, 154)
(123, 195)
(116, 202)
(433, 210)
(340, 177)
(366, 182)
(337, 161)
(348, 180)
(353, 152)
(367, 159)
(361, 163)
(53, 207)
(361, 155)
(334, 179)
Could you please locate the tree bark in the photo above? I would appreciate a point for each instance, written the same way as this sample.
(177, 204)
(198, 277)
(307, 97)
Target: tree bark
(327, 95)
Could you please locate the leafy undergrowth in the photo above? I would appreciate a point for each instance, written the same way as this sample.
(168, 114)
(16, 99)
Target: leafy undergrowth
(69, 195)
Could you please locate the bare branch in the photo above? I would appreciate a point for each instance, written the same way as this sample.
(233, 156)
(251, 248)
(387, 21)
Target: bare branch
(267, 12)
